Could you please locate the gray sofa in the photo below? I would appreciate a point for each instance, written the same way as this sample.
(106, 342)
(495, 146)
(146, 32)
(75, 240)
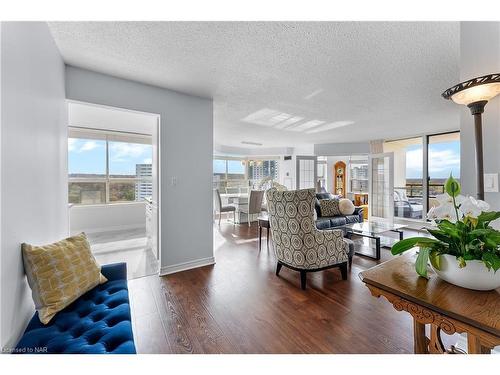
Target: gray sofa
(330, 222)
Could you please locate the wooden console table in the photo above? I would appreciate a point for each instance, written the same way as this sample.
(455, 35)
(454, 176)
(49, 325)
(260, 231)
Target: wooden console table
(445, 307)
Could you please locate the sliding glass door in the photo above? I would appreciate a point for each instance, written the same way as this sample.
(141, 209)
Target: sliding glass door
(408, 177)
(444, 159)
(421, 167)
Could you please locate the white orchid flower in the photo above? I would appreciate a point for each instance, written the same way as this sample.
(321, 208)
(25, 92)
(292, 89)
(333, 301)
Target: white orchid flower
(473, 207)
(468, 206)
(445, 210)
(445, 198)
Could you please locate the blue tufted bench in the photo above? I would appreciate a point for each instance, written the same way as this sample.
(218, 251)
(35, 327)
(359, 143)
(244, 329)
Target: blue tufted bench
(96, 323)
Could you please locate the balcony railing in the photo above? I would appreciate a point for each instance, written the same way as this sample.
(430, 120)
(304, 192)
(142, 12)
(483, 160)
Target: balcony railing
(415, 190)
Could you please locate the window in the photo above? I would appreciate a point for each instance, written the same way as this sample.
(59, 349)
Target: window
(408, 180)
(444, 158)
(358, 174)
(262, 169)
(322, 168)
(306, 172)
(108, 167)
(238, 175)
(414, 194)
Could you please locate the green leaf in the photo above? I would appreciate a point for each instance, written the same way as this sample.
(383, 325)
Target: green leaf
(409, 243)
(421, 262)
(492, 261)
(486, 217)
(482, 232)
(452, 187)
(489, 243)
(461, 262)
(440, 235)
(435, 258)
(449, 228)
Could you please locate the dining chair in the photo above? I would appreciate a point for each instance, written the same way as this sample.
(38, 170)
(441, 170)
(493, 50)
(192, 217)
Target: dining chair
(218, 207)
(254, 205)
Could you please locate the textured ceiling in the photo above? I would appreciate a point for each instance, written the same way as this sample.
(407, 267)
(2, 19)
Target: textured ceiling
(286, 83)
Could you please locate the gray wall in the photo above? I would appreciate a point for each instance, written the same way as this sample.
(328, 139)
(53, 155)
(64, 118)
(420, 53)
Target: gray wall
(480, 55)
(33, 161)
(186, 141)
(341, 149)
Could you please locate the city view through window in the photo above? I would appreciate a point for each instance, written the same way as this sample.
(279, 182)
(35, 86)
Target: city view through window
(105, 171)
(240, 175)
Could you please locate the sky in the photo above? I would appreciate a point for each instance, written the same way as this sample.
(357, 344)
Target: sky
(89, 156)
(444, 158)
(233, 166)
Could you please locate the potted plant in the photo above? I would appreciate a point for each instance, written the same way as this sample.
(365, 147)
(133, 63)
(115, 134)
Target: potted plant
(465, 250)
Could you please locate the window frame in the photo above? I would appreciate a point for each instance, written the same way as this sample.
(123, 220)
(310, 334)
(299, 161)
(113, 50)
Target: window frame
(425, 170)
(108, 136)
(245, 160)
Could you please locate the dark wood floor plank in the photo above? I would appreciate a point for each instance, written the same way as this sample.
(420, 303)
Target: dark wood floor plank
(207, 331)
(150, 335)
(240, 306)
(173, 317)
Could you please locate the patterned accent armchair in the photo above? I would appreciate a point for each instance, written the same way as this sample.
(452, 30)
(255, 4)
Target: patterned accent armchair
(298, 244)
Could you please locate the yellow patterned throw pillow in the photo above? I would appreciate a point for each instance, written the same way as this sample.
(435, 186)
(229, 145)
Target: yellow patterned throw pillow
(59, 273)
(330, 207)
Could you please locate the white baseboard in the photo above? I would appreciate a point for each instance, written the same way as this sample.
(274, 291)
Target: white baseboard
(186, 266)
(109, 229)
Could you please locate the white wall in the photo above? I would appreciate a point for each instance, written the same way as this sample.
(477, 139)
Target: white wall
(340, 149)
(186, 141)
(107, 217)
(255, 151)
(480, 55)
(288, 168)
(33, 161)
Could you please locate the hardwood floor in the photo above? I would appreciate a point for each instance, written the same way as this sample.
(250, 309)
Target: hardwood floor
(240, 306)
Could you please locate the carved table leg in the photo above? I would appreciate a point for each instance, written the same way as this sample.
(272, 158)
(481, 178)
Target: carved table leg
(436, 344)
(419, 338)
(474, 345)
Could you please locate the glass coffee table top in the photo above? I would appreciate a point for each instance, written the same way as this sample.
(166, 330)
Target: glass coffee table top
(373, 228)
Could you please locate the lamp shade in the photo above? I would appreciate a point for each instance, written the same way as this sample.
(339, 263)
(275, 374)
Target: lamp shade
(474, 90)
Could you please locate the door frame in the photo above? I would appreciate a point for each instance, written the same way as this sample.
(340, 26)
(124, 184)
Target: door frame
(156, 181)
(297, 171)
(390, 155)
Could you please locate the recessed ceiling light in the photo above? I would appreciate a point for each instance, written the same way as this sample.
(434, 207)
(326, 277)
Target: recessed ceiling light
(306, 125)
(266, 117)
(251, 143)
(288, 122)
(332, 125)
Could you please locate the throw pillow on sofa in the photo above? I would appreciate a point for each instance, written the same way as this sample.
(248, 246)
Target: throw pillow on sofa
(330, 207)
(346, 206)
(60, 273)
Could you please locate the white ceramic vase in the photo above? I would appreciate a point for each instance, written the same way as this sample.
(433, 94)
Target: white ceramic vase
(474, 275)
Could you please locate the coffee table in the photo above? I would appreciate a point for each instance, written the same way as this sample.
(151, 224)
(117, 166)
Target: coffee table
(375, 230)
